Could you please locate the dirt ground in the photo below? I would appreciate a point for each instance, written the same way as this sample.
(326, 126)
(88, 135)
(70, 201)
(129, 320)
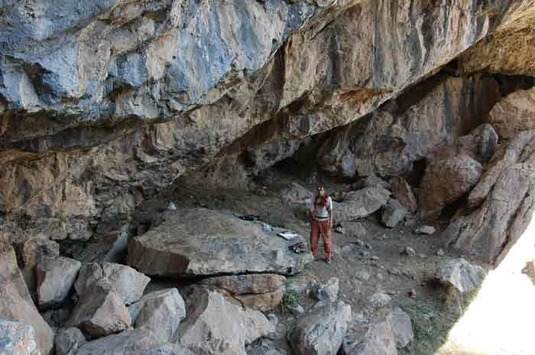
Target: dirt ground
(365, 264)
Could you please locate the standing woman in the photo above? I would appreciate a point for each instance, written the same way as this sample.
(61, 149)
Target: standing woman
(322, 222)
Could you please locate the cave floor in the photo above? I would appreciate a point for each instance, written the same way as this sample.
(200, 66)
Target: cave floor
(365, 265)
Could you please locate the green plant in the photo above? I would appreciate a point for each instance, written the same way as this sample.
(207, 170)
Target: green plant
(291, 298)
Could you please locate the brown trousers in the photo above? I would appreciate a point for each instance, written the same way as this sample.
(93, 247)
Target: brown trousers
(323, 228)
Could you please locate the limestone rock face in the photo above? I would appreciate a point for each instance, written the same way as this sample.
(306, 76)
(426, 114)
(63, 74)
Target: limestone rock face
(206, 242)
(17, 339)
(502, 202)
(514, 113)
(322, 331)
(15, 301)
(104, 104)
(55, 278)
(462, 275)
(217, 326)
(392, 138)
(508, 50)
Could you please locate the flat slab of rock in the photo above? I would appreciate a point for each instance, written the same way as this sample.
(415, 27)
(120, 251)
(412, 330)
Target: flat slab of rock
(15, 301)
(322, 331)
(130, 342)
(195, 242)
(17, 338)
(246, 284)
(462, 275)
(217, 326)
(503, 202)
(360, 203)
(55, 278)
(161, 312)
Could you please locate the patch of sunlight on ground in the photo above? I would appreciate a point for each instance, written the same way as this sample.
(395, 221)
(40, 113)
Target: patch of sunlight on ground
(501, 319)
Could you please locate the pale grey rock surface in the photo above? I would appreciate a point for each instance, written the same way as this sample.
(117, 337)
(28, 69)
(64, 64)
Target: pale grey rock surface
(17, 338)
(401, 325)
(393, 213)
(462, 275)
(55, 278)
(159, 311)
(378, 340)
(127, 282)
(322, 331)
(67, 341)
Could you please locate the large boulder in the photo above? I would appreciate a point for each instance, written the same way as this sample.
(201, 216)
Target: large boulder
(445, 180)
(360, 203)
(263, 292)
(55, 278)
(17, 339)
(202, 242)
(16, 303)
(502, 202)
(159, 311)
(322, 331)
(514, 113)
(100, 311)
(217, 326)
(461, 275)
(130, 342)
(128, 283)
